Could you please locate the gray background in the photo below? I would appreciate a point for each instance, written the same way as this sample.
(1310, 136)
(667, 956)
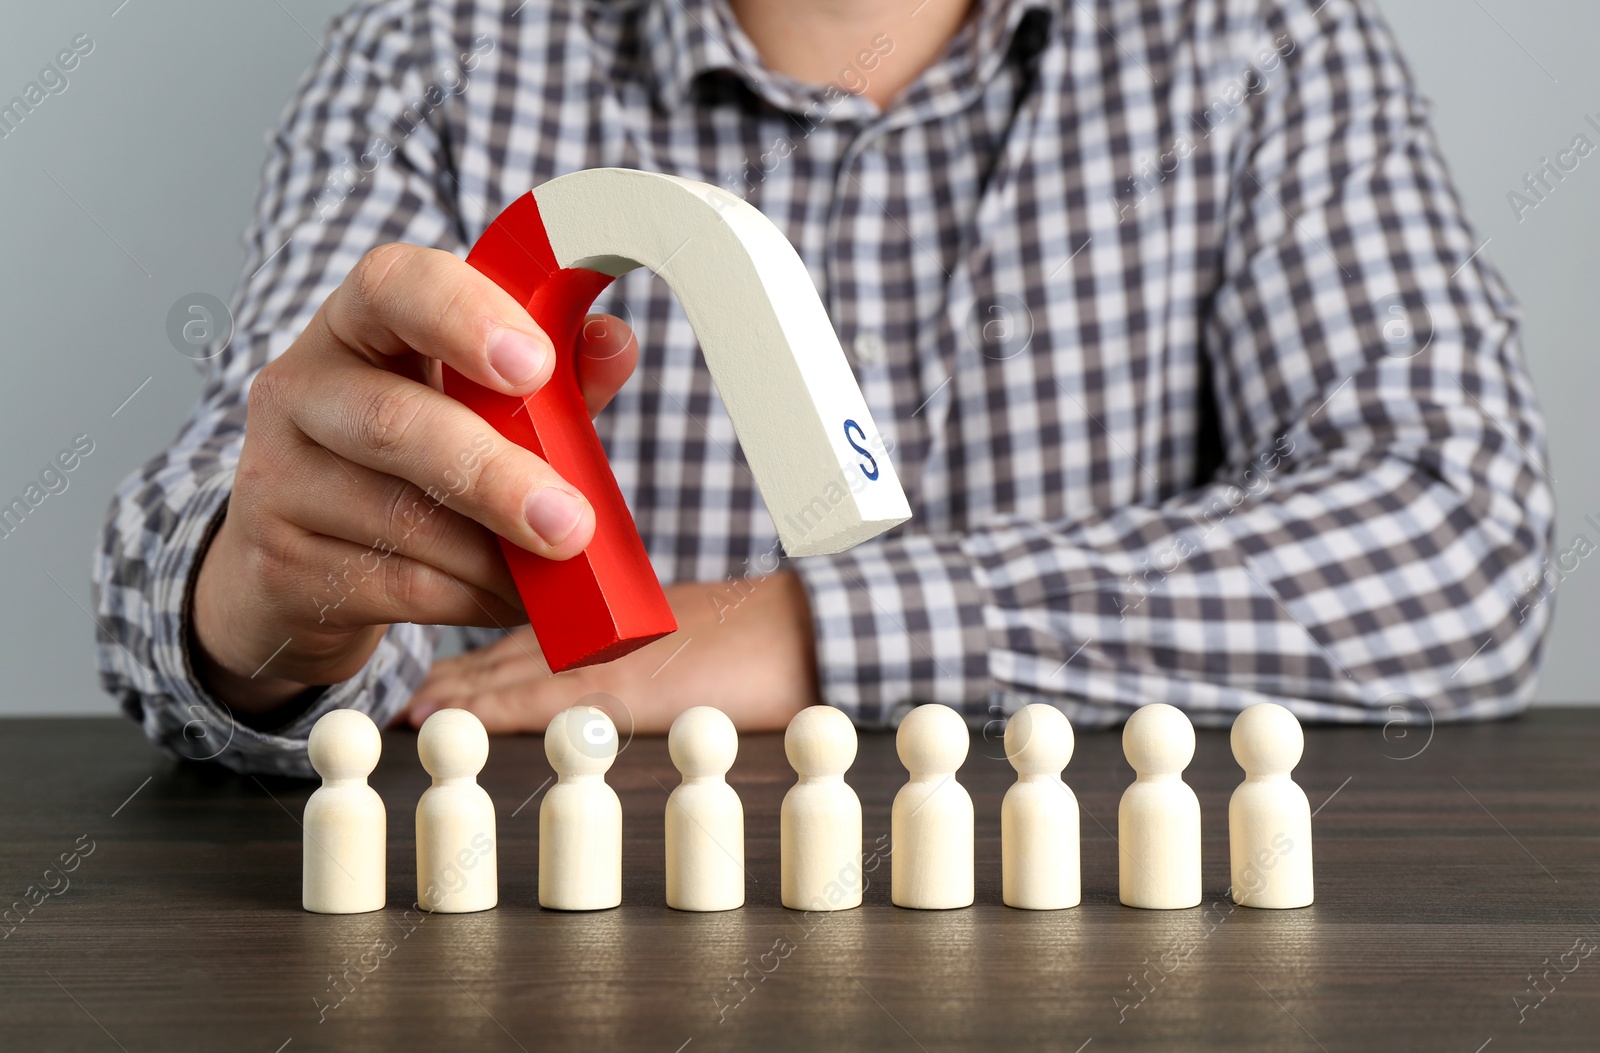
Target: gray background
(130, 188)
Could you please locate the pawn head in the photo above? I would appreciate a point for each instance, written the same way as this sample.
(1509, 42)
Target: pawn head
(452, 744)
(1038, 740)
(702, 742)
(932, 738)
(1267, 740)
(344, 744)
(1158, 740)
(581, 741)
(820, 741)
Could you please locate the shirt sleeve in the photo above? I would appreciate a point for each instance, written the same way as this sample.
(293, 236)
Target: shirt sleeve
(1383, 495)
(358, 159)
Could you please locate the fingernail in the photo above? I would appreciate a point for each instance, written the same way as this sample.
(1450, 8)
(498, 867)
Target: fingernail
(421, 712)
(517, 356)
(553, 513)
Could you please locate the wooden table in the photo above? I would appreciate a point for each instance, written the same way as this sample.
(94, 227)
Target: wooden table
(1443, 881)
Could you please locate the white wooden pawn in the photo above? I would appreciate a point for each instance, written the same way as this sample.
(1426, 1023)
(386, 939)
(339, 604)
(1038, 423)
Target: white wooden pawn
(1269, 817)
(819, 825)
(704, 821)
(580, 820)
(930, 836)
(457, 864)
(1158, 821)
(345, 834)
(1039, 816)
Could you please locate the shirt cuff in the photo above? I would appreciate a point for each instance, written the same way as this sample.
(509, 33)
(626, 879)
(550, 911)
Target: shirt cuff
(899, 622)
(186, 720)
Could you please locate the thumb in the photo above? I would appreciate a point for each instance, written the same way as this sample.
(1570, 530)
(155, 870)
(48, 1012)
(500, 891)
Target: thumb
(608, 351)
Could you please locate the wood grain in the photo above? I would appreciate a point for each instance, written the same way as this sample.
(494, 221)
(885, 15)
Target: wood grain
(1443, 881)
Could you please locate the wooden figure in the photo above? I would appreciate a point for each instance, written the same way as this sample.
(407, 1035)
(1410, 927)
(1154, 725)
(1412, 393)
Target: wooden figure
(1158, 821)
(705, 821)
(580, 820)
(810, 441)
(457, 868)
(345, 836)
(819, 825)
(1039, 815)
(1269, 818)
(930, 832)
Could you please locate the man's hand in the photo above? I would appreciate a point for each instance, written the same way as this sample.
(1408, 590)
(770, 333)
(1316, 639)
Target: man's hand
(746, 649)
(365, 496)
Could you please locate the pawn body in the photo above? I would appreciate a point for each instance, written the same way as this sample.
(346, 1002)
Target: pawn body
(819, 825)
(1269, 817)
(931, 849)
(1039, 867)
(345, 836)
(580, 820)
(457, 865)
(705, 820)
(1158, 820)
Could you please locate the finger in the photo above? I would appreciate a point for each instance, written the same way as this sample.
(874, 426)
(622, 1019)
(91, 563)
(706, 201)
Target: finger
(486, 669)
(458, 675)
(519, 707)
(608, 353)
(519, 642)
(364, 586)
(403, 428)
(402, 299)
(349, 501)
(510, 667)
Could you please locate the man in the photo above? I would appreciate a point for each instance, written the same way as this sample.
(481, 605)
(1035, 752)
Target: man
(1198, 387)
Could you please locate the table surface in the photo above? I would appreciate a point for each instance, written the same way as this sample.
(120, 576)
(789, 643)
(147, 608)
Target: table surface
(1456, 874)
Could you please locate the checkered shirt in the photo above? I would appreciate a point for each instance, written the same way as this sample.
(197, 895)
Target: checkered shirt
(1197, 384)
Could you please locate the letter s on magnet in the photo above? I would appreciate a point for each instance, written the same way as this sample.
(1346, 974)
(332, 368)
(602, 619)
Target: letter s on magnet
(852, 431)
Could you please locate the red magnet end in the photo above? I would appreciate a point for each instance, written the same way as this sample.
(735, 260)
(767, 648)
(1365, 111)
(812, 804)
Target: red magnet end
(606, 601)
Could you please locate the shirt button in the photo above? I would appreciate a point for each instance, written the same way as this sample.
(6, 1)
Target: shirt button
(870, 348)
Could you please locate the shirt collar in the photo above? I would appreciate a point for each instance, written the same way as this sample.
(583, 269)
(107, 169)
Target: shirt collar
(684, 39)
